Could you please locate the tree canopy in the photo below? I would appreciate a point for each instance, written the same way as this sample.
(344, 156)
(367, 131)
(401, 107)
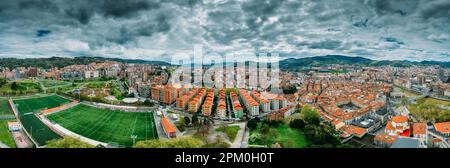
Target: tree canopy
(181, 142)
(68, 142)
(310, 116)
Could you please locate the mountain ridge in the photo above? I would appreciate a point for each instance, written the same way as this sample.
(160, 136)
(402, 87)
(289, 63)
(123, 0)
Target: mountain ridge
(295, 63)
(285, 64)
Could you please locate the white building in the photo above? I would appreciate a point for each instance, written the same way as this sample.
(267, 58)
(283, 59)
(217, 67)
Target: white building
(91, 74)
(447, 92)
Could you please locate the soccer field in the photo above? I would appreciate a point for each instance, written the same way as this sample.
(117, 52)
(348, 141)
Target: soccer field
(110, 126)
(40, 103)
(38, 130)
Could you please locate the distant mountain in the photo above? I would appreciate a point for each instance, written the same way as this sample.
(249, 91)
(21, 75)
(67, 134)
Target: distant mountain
(291, 64)
(64, 61)
(297, 63)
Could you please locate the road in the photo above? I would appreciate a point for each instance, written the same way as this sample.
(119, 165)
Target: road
(240, 137)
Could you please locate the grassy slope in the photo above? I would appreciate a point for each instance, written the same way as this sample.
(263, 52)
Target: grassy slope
(288, 134)
(107, 125)
(231, 131)
(5, 135)
(285, 136)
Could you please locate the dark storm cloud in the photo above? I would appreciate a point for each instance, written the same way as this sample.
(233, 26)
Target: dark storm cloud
(439, 9)
(188, 3)
(126, 34)
(401, 7)
(393, 40)
(42, 33)
(258, 12)
(46, 5)
(327, 44)
(109, 8)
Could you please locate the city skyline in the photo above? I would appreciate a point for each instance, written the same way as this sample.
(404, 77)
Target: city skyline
(154, 30)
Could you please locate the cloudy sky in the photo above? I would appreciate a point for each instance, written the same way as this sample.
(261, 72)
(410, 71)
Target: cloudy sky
(156, 30)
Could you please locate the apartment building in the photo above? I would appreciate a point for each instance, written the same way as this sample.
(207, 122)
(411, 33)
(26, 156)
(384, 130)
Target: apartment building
(250, 103)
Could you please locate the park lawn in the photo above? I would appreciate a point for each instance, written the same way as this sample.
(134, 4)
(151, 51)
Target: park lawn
(231, 131)
(23, 87)
(5, 135)
(289, 135)
(105, 125)
(39, 103)
(37, 129)
(4, 107)
(98, 84)
(429, 109)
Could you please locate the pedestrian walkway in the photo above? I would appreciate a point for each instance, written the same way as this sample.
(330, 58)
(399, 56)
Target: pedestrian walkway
(2, 145)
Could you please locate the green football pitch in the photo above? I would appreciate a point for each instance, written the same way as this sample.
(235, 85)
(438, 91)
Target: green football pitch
(110, 126)
(38, 130)
(40, 103)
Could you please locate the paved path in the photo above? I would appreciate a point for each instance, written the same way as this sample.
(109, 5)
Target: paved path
(240, 135)
(2, 145)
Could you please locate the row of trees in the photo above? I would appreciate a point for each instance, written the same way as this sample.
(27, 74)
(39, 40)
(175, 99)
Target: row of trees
(68, 142)
(181, 142)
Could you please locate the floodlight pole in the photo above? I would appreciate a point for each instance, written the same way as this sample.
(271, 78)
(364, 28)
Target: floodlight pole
(134, 139)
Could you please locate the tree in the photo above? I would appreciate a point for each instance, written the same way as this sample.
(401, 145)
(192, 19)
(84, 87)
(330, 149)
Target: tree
(297, 123)
(310, 116)
(14, 86)
(3, 81)
(187, 120)
(149, 103)
(195, 120)
(68, 142)
(289, 89)
(252, 124)
(182, 142)
(404, 101)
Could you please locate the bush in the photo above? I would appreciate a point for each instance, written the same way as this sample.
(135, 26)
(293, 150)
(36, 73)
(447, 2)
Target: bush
(310, 116)
(274, 124)
(231, 131)
(181, 127)
(68, 142)
(252, 124)
(187, 120)
(182, 142)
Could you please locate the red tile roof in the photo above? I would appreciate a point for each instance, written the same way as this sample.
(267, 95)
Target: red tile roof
(169, 127)
(443, 127)
(419, 128)
(399, 119)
